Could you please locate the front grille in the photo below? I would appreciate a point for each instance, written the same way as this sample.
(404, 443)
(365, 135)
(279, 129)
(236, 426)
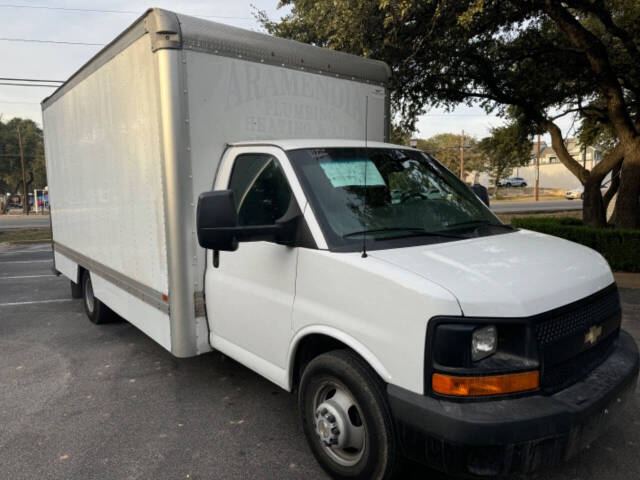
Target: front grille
(564, 354)
(578, 319)
(578, 367)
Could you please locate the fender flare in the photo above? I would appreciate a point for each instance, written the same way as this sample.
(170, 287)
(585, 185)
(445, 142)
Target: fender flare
(339, 335)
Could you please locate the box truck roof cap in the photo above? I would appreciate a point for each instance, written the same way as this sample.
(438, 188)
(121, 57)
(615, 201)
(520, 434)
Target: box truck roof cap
(176, 31)
(298, 143)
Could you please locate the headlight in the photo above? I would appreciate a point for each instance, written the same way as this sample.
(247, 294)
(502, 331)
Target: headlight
(484, 342)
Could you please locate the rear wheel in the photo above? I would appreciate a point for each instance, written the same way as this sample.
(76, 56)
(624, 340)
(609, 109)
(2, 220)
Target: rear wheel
(97, 311)
(346, 419)
(524, 184)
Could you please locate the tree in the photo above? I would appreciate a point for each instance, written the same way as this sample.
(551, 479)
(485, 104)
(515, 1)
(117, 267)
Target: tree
(538, 59)
(446, 148)
(505, 149)
(10, 165)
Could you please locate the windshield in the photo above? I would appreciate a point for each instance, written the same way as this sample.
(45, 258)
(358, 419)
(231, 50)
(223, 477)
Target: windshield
(390, 197)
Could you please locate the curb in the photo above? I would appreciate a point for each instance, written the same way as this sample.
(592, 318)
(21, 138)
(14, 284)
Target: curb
(627, 280)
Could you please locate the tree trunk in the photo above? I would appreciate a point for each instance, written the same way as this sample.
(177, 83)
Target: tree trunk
(627, 214)
(593, 213)
(614, 185)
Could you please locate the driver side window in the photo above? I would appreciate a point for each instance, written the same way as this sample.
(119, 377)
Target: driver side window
(261, 189)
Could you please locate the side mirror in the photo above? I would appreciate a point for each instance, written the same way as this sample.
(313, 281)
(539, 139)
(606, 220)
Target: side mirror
(217, 220)
(217, 224)
(481, 192)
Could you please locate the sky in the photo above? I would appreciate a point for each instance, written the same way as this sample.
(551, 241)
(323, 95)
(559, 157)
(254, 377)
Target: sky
(22, 20)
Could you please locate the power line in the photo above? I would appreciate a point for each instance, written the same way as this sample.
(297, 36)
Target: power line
(30, 80)
(95, 10)
(31, 40)
(28, 85)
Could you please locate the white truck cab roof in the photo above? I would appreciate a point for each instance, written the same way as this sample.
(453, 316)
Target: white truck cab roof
(299, 143)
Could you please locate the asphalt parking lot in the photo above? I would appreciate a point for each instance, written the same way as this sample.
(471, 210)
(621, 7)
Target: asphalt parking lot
(82, 401)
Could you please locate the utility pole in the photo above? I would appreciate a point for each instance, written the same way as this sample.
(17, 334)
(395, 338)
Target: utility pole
(462, 156)
(538, 170)
(25, 195)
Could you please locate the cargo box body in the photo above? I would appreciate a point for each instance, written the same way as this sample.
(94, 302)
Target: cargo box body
(134, 137)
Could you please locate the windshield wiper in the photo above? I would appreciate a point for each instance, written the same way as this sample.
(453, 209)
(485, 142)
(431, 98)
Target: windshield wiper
(479, 223)
(411, 232)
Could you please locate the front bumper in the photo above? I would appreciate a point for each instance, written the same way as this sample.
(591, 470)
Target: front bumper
(518, 435)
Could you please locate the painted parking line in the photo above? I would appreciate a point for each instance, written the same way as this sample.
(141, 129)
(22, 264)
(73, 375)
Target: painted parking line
(36, 302)
(20, 277)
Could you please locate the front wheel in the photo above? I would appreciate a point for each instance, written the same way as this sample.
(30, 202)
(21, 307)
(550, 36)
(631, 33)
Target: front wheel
(524, 184)
(346, 419)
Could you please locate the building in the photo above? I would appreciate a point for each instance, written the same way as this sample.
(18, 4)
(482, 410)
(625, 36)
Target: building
(553, 174)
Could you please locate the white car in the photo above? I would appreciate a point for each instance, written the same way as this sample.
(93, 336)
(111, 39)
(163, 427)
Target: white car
(579, 192)
(513, 182)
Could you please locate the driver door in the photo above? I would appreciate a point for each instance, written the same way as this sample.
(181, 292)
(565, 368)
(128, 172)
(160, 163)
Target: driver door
(250, 292)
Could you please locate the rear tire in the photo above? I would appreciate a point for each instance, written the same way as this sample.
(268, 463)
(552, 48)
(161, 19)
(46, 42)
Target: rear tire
(76, 289)
(524, 184)
(96, 311)
(346, 418)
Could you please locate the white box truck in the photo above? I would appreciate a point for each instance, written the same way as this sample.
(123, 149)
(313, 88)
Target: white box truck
(225, 190)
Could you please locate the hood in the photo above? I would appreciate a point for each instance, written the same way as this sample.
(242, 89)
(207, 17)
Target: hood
(516, 274)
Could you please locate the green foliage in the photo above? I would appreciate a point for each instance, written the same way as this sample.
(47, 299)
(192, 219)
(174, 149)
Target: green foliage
(534, 60)
(621, 248)
(445, 147)
(492, 52)
(33, 147)
(507, 148)
(400, 134)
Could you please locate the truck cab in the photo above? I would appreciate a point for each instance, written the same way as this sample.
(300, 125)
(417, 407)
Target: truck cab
(372, 281)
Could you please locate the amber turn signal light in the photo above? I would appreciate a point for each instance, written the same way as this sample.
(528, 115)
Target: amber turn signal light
(477, 386)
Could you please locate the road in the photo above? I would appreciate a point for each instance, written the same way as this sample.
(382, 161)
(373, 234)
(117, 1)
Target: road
(86, 401)
(8, 222)
(524, 207)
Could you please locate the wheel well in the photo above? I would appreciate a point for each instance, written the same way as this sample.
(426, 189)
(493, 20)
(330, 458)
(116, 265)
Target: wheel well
(310, 347)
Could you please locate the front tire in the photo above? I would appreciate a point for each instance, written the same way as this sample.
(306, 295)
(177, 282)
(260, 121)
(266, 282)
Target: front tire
(346, 419)
(524, 185)
(96, 311)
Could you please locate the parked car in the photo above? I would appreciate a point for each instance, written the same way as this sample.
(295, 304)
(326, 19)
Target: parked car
(408, 324)
(513, 182)
(578, 192)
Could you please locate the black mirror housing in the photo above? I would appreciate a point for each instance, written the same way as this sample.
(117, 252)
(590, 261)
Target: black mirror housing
(217, 220)
(482, 193)
(217, 224)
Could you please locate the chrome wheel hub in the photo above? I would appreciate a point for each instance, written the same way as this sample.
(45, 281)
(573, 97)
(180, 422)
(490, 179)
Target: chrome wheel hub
(330, 424)
(338, 424)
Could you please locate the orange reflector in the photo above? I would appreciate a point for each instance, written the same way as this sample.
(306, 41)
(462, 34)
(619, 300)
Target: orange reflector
(494, 385)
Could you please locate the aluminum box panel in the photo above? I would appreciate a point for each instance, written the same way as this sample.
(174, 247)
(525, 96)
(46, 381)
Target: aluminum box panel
(104, 166)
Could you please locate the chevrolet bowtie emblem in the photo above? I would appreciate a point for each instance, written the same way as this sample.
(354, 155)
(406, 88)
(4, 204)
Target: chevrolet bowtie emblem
(592, 335)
